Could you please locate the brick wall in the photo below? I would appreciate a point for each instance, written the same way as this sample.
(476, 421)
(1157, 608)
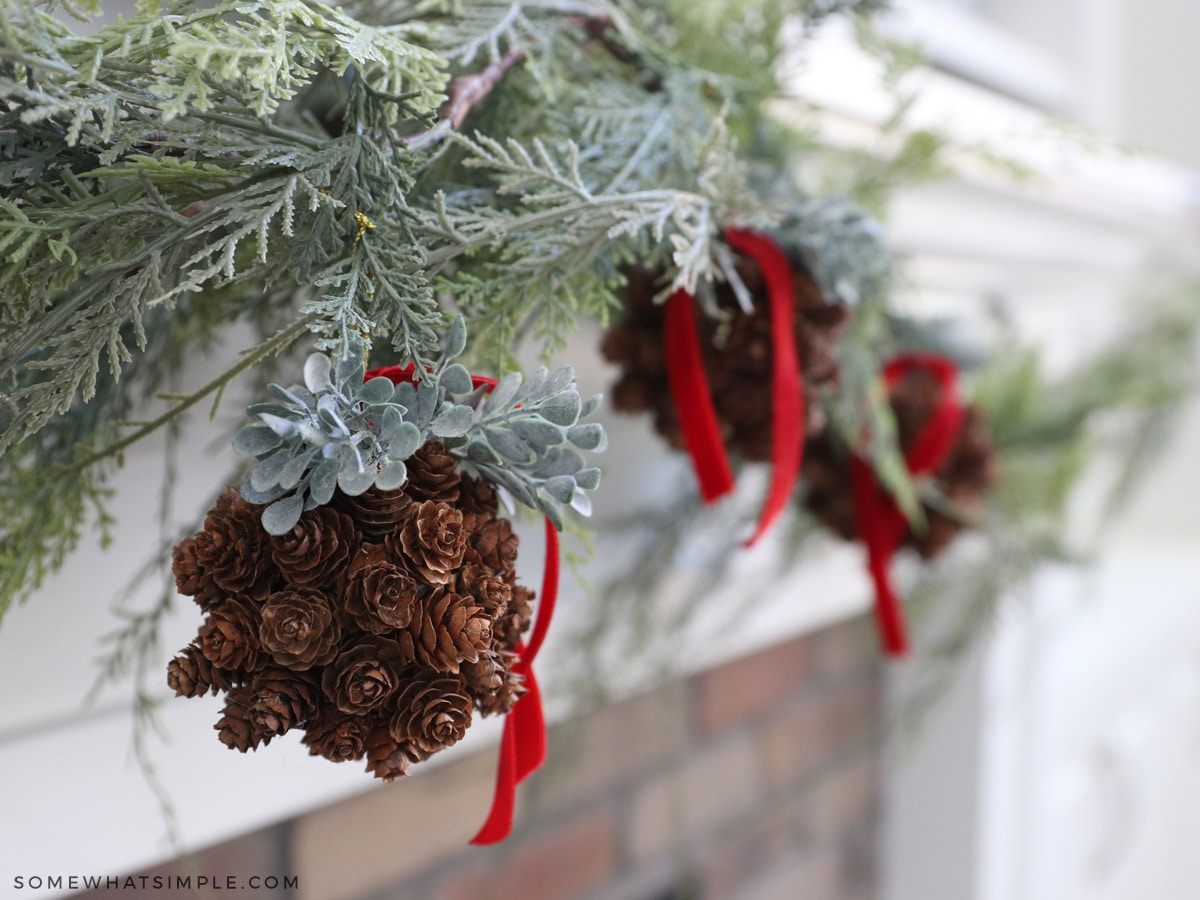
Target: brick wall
(755, 780)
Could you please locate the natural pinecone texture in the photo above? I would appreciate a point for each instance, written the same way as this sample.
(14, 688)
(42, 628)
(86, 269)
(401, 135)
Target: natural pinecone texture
(431, 541)
(299, 629)
(378, 625)
(317, 549)
(432, 713)
(964, 479)
(232, 548)
(190, 674)
(737, 354)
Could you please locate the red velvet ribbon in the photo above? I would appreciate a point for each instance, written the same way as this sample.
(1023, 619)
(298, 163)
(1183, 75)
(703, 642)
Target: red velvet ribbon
(693, 398)
(881, 524)
(523, 742)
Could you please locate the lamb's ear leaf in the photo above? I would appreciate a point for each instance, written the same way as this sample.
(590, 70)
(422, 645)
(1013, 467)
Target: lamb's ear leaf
(282, 515)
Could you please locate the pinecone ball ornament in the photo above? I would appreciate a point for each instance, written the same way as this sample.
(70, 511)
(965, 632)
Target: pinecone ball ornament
(737, 351)
(363, 630)
(963, 478)
(360, 586)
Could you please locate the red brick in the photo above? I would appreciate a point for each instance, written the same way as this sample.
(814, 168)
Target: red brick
(844, 651)
(748, 687)
(810, 876)
(827, 724)
(846, 796)
(556, 864)
(259, 853)
(710, 789)
(607, 749)
(734, 857)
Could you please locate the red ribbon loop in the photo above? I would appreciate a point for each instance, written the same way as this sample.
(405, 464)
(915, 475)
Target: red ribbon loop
(881, 524)
(787, 391)
(693, 399)
(523, 742)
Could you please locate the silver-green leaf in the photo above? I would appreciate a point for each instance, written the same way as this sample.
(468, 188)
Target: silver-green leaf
(254, 440)
(282, 515)
(392, 474)
(456, 380)
(588, 436)
(537, 430)
(454, 421)
(404, 442)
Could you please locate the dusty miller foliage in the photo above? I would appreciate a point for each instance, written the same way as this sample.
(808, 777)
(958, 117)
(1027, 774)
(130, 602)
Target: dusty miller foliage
(283, 161)
(341, 430)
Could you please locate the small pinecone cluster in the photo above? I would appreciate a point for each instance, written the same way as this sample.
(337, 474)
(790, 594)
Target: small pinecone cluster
(737, 352)
(379, 625)
(965, 478)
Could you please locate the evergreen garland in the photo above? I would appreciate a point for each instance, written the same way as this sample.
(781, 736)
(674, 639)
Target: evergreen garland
(358, 172)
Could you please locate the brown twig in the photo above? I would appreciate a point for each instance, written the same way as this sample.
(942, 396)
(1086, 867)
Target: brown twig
(466, 92)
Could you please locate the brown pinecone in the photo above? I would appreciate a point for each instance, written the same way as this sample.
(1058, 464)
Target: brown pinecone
(477, 502)
(299, 629)
(388, 758)
(376, 513)
(432, 712)
(432, 475)
(336, 736)
(235, 729)
(190, 578)
(446, 629)
(508, 629)
(378, 596)
(965, 477)
(486, 675)
(828, 496)
(190, 674)
(500, 701)
(280, 699)
(232, 548)
(229, 636)
(490, 591)
(496, 546)
(432, 541)
(317, 549)
(364, 676)
(737, 354)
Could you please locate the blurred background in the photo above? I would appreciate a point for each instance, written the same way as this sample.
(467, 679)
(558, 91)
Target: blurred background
(1059, 758)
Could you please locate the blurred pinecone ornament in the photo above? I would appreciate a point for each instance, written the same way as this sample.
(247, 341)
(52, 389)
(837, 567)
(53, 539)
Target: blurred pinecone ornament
(942, 440)
(361, 585)
(964, 477)
(737, 353)
(741, 378)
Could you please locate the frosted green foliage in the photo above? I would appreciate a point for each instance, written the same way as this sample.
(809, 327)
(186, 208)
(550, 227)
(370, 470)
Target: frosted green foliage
(843, 248)
(282, 161)
(130, 176)
(337, 431)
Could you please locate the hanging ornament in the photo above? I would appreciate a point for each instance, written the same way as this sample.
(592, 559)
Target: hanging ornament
(379, 608)
(942, 439)
(737, 382)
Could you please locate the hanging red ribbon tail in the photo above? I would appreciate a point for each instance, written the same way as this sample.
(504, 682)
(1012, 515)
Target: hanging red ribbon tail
(523, 744)
(523, 741)
(881, 525)
(693, 399)
(787, 390)
(876, 516)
